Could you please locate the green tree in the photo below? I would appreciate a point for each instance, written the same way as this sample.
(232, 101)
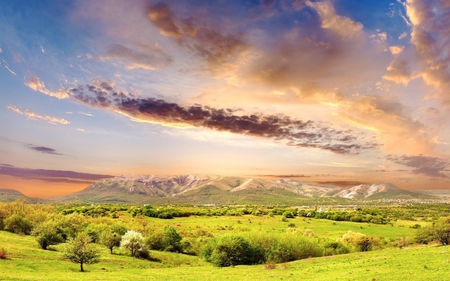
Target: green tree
(228, 250)
(112, 236)
(439, 231)
(80, 250)
(171, 239)
(47, 234)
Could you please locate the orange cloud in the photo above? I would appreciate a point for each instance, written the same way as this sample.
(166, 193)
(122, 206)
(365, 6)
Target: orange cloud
(36, 84)
(34, 116)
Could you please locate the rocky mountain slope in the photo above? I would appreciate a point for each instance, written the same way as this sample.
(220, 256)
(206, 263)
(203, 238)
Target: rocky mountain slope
(215, 189)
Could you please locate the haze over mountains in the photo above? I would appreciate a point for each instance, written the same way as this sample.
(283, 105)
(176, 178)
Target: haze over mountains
(214, 189)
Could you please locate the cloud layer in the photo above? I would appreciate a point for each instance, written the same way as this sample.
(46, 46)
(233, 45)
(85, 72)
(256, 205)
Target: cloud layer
(50, 175)
(431, 166)
(290, 131)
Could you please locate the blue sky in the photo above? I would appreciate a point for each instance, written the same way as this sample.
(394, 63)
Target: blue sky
(332, 91)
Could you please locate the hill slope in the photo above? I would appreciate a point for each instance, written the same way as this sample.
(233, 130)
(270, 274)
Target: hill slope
(10, 195)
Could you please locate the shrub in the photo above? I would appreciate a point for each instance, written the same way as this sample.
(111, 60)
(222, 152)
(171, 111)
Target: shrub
(155, 241)
(171, 239)
(439, 231)
(3, 253)
(361, 242)
(18, 224)
(335, 248)
(228, 250)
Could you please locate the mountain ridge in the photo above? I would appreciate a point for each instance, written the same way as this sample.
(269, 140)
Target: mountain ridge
(200, 188)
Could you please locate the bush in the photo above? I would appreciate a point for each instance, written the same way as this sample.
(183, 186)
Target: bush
(3, 253)
(18, 224)
(361, 242)
(171, 239)
(228, 251)
(335, 248)
(439, 231)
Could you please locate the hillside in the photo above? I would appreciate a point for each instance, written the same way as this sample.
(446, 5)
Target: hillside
(214, 189)
(10, 195)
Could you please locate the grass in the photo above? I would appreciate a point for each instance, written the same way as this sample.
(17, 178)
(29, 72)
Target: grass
(25, 261)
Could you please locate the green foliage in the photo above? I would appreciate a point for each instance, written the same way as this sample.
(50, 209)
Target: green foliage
(47, 234)
(438, 231)
(80, 250)
(134, 242)
(361, 242)
(155, 241)
(171, 239)
(112, 235)
(18, 224)
(228, 250)
(335, 248)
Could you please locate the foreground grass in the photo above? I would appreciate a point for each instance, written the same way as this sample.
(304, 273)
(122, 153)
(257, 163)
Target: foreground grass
(27, 262)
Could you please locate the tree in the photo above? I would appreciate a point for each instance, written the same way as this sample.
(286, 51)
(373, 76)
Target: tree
(112, 236)
(80, 250)
(134, 242)
(171, 239)
(47, 234)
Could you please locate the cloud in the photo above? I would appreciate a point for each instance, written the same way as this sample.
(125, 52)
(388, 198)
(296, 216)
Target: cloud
(395, 50)
(280, 128)
(34, 116)
(36, 84)
(399, 71)
(431, 166)
(395, 131)
(215, 44)
(43, 149)
(429, 36)
(147, 57)
(50, 175)
(343, 26)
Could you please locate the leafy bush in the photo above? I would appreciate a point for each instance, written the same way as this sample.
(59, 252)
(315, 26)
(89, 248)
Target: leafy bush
(438, 231)
(359, 241)
(335, 248)
(228, 250)
(18, 224)
(111, 236)
(171, 239)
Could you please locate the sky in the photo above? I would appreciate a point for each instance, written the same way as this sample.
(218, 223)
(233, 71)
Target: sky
(330, 91)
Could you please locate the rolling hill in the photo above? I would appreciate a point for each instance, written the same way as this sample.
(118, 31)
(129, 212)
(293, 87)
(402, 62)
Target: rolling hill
(10, 195)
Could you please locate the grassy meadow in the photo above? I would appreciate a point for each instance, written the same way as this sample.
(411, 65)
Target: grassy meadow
(25, 260)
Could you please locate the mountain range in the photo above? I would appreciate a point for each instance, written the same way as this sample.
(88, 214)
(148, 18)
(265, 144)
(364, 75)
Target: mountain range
(214, 189)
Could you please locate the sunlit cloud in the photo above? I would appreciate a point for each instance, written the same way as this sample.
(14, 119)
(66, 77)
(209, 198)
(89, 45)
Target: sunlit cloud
(293, 132)
(36, 84)
(35, 116)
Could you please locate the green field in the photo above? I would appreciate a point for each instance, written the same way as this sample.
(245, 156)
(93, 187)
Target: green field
(27, 262)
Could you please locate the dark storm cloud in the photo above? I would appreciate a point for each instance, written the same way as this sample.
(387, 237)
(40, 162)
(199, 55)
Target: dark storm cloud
(291, 131)
(425, 165)
(50, 175)
(43, 149)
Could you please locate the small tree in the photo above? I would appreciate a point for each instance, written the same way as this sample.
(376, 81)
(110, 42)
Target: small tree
(47, 234)
(171, 239)
(112, 236)
(439, 231)
(80, 250)
(134, 242)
